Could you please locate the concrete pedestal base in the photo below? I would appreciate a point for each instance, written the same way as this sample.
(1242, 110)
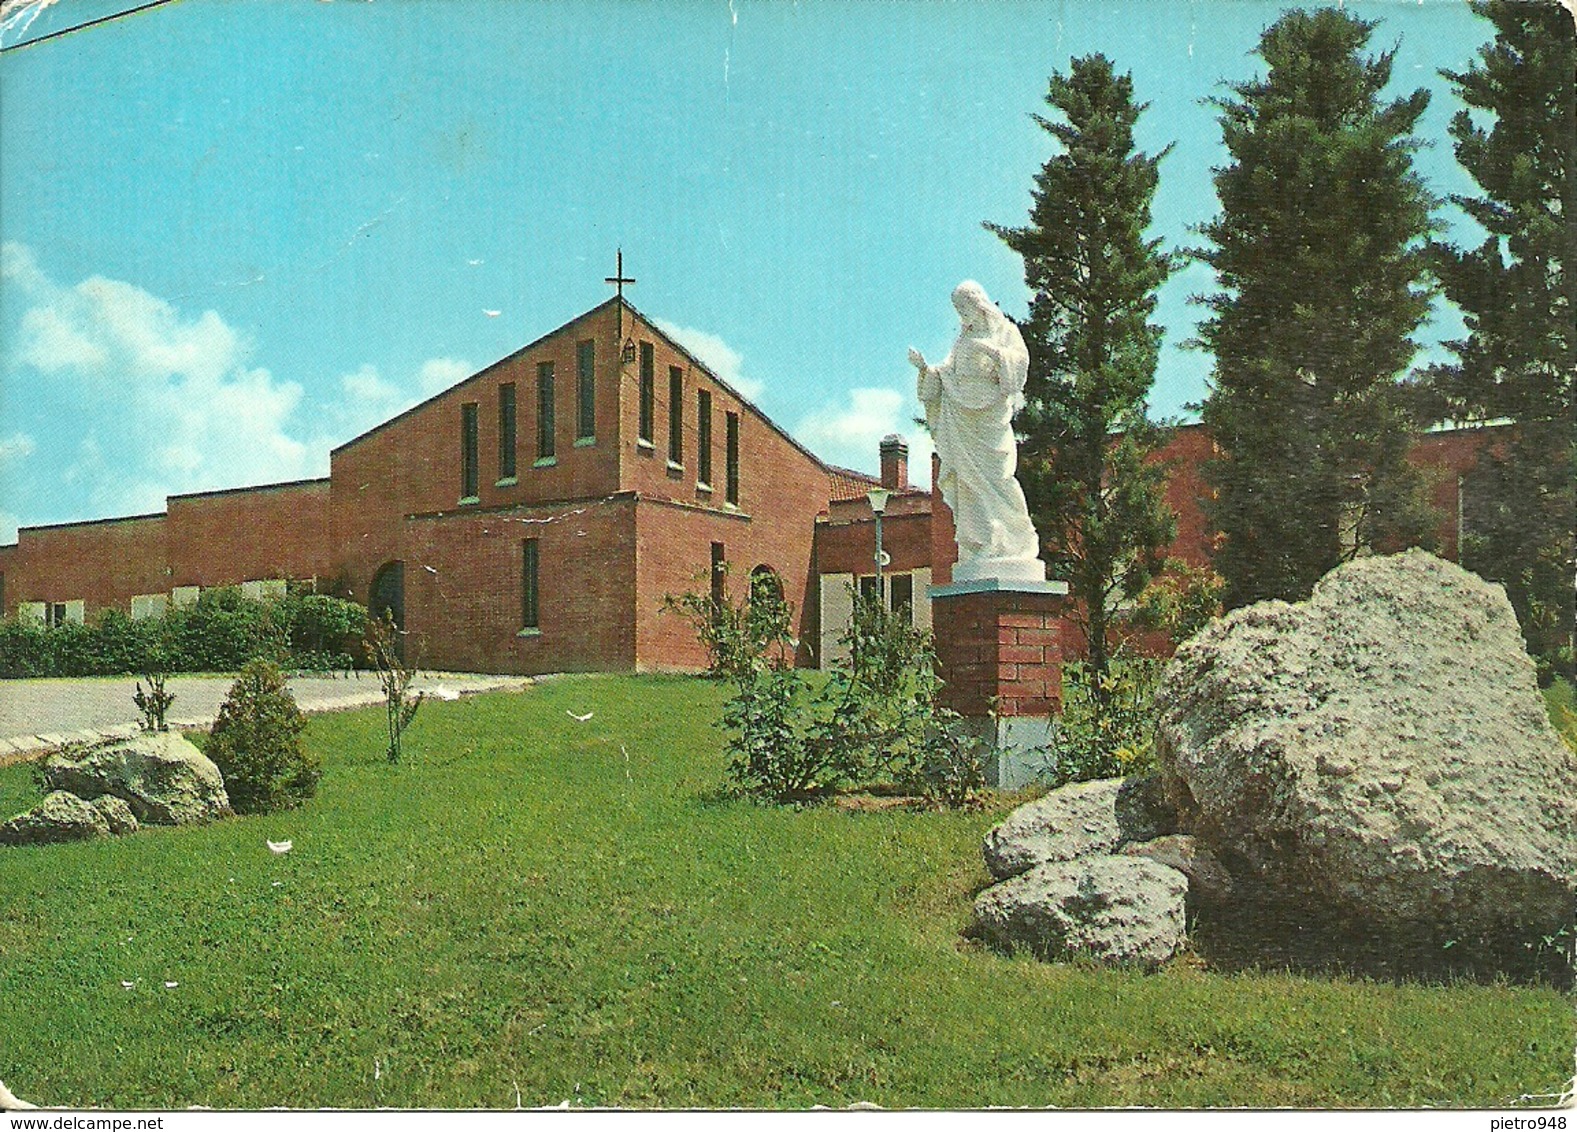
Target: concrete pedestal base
(999, 649)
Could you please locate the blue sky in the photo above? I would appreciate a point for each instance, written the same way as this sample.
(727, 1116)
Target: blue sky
(238, 232)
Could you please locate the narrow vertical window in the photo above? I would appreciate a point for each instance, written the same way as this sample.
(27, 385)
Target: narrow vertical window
(731, 468)
(529, 611)
(544, 410)
(468, 470)
(703, 436)
(648, 392)
(719, 577)
(506, 431)
(675, 415)
(903, 595)
(586, 390)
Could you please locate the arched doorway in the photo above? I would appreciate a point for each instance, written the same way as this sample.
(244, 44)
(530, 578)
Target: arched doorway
(388, 593)
(765, 585)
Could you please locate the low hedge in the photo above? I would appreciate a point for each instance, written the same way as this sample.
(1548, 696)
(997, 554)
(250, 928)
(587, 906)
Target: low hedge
(221, 632)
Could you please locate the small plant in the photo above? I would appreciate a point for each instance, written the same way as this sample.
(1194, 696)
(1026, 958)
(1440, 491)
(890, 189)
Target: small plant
(951, 769)
(383, 643)
(256, 743)
(154, 702)
(735, 634)
(1106, 731)
(1179, 601)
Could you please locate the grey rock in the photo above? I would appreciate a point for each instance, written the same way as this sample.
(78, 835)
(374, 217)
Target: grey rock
(1208, 881)
(162, 777)
(1380, 750)
(117, 814)
(61, 816)
(1075, 821)
(1121, 910)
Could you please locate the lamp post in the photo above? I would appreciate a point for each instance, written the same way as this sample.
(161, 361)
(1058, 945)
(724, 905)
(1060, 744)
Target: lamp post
(878, 497)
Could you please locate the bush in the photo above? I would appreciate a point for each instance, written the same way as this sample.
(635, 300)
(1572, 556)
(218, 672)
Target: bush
(256, 743)
(1180, 601)
(876, 716)
(735, 636)
(1107, 732)
(220, 633)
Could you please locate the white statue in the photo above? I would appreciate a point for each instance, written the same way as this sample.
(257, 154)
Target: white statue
(969, 404)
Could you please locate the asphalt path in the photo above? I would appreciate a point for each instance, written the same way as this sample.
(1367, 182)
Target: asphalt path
(39, 715)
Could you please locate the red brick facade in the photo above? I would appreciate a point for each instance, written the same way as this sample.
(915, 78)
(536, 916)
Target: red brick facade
(623, 508)
(1001, 652)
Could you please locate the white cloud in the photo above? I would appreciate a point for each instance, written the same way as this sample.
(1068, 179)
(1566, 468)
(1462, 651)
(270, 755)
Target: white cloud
(166, 402)
(850, 435)
(716, 354)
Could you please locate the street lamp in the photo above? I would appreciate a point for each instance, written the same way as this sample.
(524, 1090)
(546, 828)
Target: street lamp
(878, 497)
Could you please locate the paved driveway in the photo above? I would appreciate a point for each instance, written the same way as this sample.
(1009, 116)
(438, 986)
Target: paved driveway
(36, 715)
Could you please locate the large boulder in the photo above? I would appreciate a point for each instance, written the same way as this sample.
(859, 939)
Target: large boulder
(59, 817)
(1075, 821)
(1112, 909)
(1380, 751)
(162, 777)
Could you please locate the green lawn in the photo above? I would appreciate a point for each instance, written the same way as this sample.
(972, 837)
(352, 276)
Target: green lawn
(561, 911)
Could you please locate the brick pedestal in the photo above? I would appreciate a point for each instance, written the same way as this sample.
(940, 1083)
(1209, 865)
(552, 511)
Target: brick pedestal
(999, 650)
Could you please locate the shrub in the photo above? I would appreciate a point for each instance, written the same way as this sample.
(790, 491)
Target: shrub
(1105, 732)
(734, 635)
(1180, 601)
(153, 703)
(256, 743)
(395, 675)
(876, 715)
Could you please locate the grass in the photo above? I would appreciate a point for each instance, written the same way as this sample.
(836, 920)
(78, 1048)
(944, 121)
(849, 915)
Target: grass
(538, 908)
(1560, 699)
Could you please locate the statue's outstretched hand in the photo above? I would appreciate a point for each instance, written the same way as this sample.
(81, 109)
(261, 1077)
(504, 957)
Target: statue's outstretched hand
(916, 358)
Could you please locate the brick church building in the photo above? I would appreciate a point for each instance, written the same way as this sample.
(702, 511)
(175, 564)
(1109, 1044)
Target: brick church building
(532, 517)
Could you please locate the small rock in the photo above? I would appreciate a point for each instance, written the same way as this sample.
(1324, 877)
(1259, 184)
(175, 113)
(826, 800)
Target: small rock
(117, 814)
(1075, 821)
(1208, 881)
(61, 816)
(1113, 909)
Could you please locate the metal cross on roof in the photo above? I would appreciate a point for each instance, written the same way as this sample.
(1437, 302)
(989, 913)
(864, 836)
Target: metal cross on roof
(617, 278)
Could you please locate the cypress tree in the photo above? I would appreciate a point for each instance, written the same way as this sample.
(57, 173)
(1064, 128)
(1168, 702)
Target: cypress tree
(1320, 252)
(1519, 302)
(1094, 491)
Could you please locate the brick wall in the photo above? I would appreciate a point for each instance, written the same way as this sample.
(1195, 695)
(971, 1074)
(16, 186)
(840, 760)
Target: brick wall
(103, 563)
(411, 464)
(220, 538)
(1001, 651)
(463, 583)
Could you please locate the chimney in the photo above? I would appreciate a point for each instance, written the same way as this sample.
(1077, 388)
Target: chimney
(895, 463)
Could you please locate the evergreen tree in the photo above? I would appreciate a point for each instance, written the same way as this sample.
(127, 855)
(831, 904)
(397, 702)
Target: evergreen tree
(1319, 250)
(1094, 490)
(1519, 359)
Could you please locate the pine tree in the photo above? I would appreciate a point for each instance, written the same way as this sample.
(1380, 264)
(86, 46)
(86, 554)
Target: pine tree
(1520, 357)
(1319, 251)
(1095, 493)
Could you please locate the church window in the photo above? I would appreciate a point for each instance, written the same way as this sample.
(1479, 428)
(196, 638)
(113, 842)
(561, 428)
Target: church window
(506, 431)
(529, 611)
(544, 411)
(468, 461)
(586, 390)
(903, 595)
(675, 415)
(703, 437)
(731, 468)
(648, 392)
